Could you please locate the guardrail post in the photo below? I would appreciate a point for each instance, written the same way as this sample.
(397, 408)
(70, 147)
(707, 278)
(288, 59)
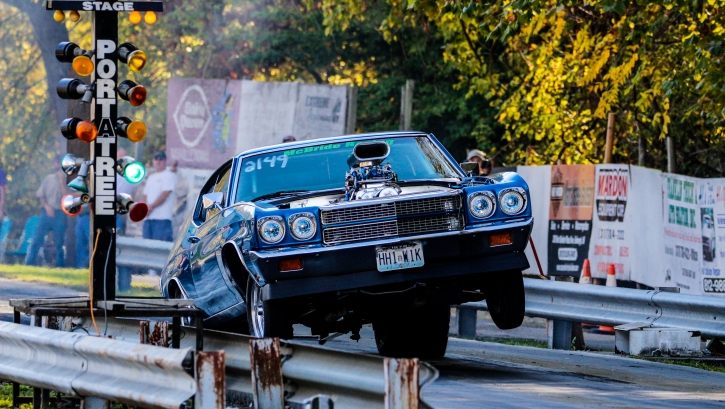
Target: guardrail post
(559, 334)
(466, 322)
(154, 333)
(266, 362)
(210, 380)
(401, 383)
(94, 403)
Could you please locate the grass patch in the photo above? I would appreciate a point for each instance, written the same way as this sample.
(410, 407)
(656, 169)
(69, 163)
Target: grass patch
(520, 342)
(73, 278)
(692, 363)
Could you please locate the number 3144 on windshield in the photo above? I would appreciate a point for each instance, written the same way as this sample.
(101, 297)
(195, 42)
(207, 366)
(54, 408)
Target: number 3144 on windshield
(270, 161)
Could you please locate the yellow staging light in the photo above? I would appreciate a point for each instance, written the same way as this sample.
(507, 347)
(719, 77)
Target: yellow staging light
(136, 131)
(134, 17)
(83, 65)
(150, 17)
(74, 16)
(86, 131)
(137, 60)
(59, 16)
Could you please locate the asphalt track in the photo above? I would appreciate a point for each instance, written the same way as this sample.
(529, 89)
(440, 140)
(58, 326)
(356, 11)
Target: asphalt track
(476, 374)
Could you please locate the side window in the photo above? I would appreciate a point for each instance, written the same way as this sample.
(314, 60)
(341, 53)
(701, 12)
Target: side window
(218, 182)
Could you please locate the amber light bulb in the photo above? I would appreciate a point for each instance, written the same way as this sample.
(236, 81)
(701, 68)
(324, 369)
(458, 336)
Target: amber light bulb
(134, 17)
(150, 17)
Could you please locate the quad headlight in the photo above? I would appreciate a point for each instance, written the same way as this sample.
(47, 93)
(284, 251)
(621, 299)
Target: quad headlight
(302, 226)
(271, 229)
(482, 204)
(512, 200)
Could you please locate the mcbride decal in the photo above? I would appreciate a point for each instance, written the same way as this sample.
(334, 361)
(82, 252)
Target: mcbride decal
(108, 6)
(611, 196)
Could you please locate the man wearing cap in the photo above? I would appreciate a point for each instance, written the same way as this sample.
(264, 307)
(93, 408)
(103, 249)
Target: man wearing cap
(160, 198)
(52, 218)
(288, 138)
(484, 164)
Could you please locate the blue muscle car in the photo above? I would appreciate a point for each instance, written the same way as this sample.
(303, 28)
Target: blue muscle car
(340, 232)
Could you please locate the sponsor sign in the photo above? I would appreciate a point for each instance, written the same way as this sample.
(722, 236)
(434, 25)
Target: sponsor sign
(203, 121)
(610, 242)
(711, 199)
(570, 218)
(683, 250)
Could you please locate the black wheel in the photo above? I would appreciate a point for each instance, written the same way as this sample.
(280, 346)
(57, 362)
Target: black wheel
(420, 332)
(266, 319)
(176, 294)
(505, 298)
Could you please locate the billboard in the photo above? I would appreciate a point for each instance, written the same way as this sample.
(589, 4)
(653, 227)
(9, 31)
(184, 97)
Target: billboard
(210, 121)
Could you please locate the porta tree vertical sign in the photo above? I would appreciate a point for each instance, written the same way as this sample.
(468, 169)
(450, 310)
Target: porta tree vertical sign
(103, 128)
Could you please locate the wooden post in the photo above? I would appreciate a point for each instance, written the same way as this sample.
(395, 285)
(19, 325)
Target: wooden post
(670, 154)
(610, 138)
(406, 105)
(351, 119)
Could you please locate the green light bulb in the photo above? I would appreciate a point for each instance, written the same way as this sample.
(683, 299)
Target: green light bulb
(79, 184)
(134, 172)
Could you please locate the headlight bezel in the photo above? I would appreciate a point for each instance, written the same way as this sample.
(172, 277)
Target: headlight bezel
(260, 228)
(487, 194)
(291, 220)
(521, 192)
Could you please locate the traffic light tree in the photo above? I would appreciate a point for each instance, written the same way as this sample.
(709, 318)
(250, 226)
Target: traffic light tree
(95, 183)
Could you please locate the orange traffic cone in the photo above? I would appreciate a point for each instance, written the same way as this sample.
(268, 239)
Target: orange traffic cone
(586, 278)
(611, 282)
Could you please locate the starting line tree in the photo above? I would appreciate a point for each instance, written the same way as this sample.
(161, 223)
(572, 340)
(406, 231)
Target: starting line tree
(95, 185)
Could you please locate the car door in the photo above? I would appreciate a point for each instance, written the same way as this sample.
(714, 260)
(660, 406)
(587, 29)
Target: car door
(214, 292)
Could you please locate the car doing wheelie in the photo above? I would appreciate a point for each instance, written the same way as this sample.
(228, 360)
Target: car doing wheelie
(340, 232)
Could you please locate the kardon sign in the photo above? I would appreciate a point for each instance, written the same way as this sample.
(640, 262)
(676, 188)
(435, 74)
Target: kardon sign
(612, 194)
(192, 116)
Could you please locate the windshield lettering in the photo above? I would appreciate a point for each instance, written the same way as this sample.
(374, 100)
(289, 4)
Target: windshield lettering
(251, 166)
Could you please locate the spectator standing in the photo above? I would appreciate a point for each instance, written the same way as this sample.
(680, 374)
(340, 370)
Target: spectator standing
(182, 192)
(160, 197)
(82, 233)
(288, 138)
(3, 182)
(484, 164)
(52, 218)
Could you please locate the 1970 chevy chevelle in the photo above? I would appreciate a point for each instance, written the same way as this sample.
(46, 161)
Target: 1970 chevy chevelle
(340, 232)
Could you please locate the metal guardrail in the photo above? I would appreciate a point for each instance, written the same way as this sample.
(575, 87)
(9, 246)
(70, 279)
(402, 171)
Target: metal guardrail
(142, 253)
(354, 380)
(613, 306)
(92, 367)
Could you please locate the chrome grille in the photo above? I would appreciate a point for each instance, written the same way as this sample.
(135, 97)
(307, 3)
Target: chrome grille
(428, 205)
(430, 224)
(368, 231)
(359, 213)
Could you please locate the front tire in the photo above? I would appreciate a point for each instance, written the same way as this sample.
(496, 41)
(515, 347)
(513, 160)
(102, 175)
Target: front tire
(266, 319)
(506, 299)
(420, 332)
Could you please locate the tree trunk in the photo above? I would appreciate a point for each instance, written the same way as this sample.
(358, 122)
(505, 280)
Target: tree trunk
(48, 33)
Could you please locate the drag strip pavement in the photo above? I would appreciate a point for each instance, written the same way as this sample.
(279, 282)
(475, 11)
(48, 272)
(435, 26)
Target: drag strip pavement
(477, 374)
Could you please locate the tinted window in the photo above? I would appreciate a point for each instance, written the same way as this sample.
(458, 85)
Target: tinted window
(323, 166)
(218, 182)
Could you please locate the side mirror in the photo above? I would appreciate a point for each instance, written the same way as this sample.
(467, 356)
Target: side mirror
(469, 167)
(212, 200)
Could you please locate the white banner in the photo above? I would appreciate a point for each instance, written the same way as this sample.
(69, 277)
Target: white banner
(539, 181)
(611, 241)
(711, 198)
(682, 233)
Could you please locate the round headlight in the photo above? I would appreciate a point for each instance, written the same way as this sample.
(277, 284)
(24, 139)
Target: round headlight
(302, 226)
(513, 201)
(482, 204)
(271, 229)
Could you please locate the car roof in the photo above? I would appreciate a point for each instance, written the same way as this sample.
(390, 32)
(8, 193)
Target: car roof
(343, 138)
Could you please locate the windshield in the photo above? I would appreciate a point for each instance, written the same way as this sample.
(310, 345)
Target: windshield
(323, 166)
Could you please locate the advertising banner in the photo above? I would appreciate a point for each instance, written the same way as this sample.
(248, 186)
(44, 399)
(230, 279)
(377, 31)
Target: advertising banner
(538, 179)
(571, 199)
(202, 121)
(682, 232)
(611, 241)
(712, 226)
(645, 212)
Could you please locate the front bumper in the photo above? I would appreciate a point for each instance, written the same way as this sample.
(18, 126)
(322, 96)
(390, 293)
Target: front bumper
(353, 266)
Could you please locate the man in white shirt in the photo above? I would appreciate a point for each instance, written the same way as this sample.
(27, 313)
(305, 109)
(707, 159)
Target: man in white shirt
(160, 198)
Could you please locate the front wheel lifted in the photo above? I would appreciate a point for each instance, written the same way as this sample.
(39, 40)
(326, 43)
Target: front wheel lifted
(420, 332)
(266, 319)
(506, 299)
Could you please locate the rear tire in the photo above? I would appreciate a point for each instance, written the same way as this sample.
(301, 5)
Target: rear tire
(506, 299)
(266, 319)
(420, 332)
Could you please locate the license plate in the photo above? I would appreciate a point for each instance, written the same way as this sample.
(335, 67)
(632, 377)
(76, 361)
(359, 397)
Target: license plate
(399, 256)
